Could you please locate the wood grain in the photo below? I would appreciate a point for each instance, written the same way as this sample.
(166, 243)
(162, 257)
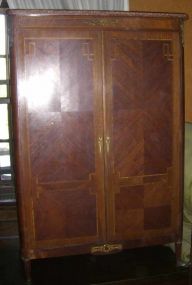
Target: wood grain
(97, 129)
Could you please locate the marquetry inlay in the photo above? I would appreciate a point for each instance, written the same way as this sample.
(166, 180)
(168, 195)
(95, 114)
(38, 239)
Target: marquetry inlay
(167, 51)
(73, 185)
(30, 49)
(115, 50)
(87, 51)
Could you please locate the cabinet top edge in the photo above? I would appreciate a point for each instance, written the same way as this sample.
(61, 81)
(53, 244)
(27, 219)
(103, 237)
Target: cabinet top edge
(99, 13)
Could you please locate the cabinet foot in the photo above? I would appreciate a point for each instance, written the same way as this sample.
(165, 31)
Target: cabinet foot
(178, 248)
(27, 269)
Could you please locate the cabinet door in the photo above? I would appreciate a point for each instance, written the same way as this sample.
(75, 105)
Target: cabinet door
(143, 131)
(59, 138)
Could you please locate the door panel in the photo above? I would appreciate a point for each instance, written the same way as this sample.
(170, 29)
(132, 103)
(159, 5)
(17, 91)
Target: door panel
(63, 123)
(142, 162)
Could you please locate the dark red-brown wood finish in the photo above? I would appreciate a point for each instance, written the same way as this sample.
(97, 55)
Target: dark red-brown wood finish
(142, 131)
(98, 130)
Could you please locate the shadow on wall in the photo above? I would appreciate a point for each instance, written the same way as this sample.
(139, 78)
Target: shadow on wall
(187, 218)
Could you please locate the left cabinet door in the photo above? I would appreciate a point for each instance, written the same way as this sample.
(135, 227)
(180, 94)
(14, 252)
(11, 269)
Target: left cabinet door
(59, 132)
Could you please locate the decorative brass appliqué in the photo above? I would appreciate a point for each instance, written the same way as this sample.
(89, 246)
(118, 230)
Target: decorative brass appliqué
(103, 22)
(106, 248)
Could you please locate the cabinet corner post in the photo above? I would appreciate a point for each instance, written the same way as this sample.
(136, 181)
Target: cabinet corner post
(182, 32)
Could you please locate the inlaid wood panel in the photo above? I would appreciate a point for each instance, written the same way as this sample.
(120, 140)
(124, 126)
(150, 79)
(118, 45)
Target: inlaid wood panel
(63, 126)
(69, 214)
(139, 116)
(158, 105)
(98, 130)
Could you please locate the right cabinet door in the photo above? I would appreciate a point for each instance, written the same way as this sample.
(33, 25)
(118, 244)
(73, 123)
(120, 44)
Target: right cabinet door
(143, 126)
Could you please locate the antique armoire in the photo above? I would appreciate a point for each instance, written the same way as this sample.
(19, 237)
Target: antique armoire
(98, 130)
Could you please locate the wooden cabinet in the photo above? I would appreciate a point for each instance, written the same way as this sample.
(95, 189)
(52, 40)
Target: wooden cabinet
(98, 128)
